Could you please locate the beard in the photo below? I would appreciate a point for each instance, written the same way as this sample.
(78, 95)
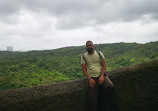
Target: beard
(90, 50)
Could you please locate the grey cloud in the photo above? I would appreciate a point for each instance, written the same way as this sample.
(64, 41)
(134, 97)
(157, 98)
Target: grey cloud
(79, 13)
(135, 10)
(9, 7)
(60, 7)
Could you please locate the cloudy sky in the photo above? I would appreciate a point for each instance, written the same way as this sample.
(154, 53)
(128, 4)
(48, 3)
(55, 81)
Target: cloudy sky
(51, 24)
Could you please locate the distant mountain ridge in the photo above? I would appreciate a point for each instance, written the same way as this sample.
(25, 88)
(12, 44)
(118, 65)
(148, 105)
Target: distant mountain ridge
(110, 50)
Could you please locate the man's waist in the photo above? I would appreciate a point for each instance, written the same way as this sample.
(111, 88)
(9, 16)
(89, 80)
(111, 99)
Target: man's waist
(95, 78)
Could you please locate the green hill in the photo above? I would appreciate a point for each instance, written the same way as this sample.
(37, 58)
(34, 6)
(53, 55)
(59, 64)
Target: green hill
(32, 68)
(136, 90)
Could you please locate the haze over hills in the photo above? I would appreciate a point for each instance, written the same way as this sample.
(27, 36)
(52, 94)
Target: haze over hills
(32, 68)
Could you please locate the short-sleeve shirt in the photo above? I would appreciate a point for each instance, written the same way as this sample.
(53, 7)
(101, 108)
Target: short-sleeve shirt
(93, 64)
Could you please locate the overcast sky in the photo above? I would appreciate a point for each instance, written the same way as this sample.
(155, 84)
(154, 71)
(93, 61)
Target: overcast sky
(51, 24)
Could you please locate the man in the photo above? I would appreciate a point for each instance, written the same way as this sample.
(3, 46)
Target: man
(93, 66)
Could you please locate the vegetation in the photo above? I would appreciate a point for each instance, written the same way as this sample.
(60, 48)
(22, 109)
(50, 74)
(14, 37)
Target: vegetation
(136, 90)
(32, 68)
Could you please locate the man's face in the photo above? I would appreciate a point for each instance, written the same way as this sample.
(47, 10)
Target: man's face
(89, 46)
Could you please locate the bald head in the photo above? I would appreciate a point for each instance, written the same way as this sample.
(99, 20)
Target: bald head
(89, 42)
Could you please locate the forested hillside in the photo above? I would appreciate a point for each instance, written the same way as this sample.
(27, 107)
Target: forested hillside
(136, 89)
(26, 69)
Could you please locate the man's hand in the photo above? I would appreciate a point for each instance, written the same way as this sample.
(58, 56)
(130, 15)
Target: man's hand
(101, 80)
(92, 82)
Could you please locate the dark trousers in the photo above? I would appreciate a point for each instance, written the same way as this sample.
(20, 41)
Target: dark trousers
(98, 93)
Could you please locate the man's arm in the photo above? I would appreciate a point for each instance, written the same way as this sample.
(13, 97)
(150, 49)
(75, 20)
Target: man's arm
(101, 78)
(107, 79)
(85, 70)
(91, 81)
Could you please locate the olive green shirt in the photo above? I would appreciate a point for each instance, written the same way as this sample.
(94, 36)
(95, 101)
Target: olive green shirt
(93, 63)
